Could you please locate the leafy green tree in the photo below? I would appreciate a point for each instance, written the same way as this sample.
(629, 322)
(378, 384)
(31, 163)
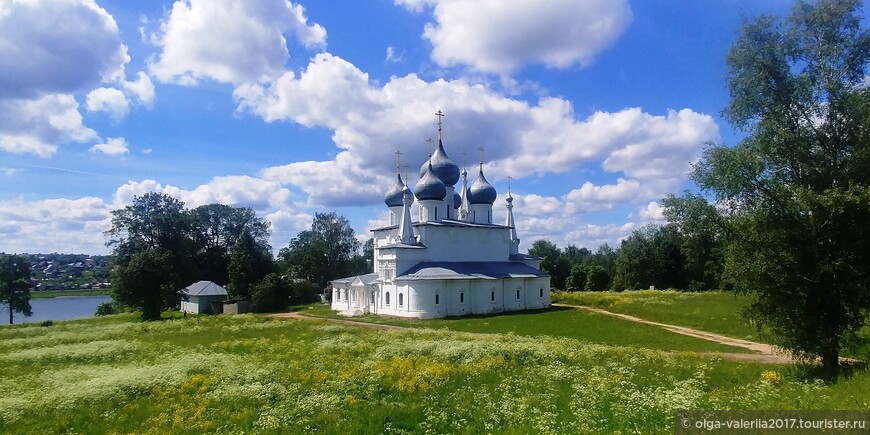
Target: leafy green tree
(271, 294)
(552, 261)
(596, 278)
(249, 263)
(15, 285)
(215, 229)
(152, 253)
(795, 193)
(577, 278)
(651, 256)
(147, 281)
(324, 252)
(636, 265)
(703, 239)
(605, 257)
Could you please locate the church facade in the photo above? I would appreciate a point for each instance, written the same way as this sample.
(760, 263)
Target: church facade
(453, 260)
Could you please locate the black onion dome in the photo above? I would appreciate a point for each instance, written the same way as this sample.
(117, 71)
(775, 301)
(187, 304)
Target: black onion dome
(429, 186)
(393, 197)
(481, 192)
(445, 169)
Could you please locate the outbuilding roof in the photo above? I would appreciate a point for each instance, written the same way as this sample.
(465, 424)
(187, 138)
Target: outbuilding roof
(204, 288)
(469, 270)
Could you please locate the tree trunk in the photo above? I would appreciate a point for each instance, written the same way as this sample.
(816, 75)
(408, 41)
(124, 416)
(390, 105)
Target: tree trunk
(831, 363)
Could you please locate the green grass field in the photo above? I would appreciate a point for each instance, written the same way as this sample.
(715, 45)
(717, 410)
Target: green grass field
(557, 322)
(252, 374)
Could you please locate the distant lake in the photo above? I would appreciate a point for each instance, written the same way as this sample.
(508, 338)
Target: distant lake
(59, 308)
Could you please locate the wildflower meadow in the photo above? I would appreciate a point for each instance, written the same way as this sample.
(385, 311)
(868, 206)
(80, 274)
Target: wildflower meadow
(253, 374)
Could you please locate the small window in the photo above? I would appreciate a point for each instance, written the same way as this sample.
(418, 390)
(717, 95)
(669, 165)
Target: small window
(518, 294)
(387, 298)
(401, 299)
(492, 296)
(461, 297)
(436, 213)
(437, 299)
(541, 293)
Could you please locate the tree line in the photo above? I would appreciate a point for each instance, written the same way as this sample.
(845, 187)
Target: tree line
(659, 256)
(159, 247)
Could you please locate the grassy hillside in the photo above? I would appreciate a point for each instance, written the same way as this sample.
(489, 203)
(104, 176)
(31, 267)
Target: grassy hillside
(247, 373)
(709, 311)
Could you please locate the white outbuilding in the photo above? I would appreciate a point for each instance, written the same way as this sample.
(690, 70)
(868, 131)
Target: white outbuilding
(452, 261)
(203, 297)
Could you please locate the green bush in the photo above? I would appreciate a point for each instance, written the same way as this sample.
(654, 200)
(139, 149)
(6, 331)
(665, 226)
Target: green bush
(105, 309)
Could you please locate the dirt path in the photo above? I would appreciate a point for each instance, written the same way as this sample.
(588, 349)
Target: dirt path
(766, 354)
(764, 349)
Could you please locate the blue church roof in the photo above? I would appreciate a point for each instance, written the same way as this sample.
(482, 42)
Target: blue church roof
(481, 192)
(429, 186)
(444, 168)
(393, 197)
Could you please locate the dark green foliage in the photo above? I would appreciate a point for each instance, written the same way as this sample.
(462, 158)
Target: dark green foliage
(794, 195)
(249, 263)
(324, 252)
(596, 278)
(577, 278)
(552, 262)
(651, 256)
(15, 285)
(271, 294)
(105, 309)
(215, 230)
(159, 248)
(153, 253)
(703, 240)
(147, 281)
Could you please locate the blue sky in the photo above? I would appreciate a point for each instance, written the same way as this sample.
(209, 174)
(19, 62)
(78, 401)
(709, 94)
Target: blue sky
(596, 109)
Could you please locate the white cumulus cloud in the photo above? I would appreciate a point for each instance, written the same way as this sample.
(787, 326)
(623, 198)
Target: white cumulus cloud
(38, 126)
(230, 41)
(502, 36)
(109, 100)
(61, 46)
(115, 146)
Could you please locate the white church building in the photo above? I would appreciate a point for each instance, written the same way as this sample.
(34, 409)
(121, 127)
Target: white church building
(452, 261)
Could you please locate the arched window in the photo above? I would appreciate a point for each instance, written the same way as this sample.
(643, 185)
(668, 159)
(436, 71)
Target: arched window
(492, 296)
(518, 294)
(461, 297)
(387, 298)
(437, 299)
(401, 299)
(436, 213)
(541, 293)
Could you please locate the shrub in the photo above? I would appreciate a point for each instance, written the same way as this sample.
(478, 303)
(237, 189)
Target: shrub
(271, 294)
(105, 309)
